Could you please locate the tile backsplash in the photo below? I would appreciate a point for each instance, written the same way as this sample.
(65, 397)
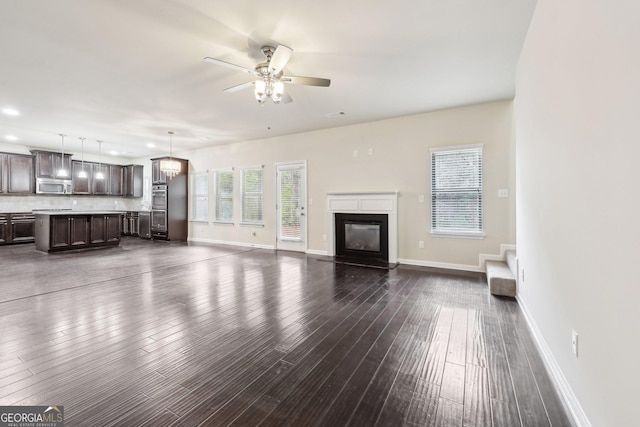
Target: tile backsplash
(85, 203)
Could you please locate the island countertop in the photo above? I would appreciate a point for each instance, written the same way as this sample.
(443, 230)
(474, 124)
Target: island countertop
(67, 212)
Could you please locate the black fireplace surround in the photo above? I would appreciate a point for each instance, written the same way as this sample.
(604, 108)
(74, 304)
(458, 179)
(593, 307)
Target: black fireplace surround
(362, 237)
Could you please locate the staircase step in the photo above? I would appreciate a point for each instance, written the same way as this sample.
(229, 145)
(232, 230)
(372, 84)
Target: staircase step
(500, 278)
(510, 255)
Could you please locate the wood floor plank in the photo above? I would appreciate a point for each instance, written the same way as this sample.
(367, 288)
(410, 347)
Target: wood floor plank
(477, 402)
(198, 334)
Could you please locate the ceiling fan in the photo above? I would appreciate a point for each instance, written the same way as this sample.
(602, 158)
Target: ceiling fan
(270, 78)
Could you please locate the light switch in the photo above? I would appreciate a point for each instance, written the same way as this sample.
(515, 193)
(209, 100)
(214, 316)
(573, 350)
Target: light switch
(421, 198)
(503, 193)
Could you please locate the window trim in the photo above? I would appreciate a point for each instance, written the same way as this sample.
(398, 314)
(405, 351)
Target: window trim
(193, 176)
(216, 220)
(461, 234)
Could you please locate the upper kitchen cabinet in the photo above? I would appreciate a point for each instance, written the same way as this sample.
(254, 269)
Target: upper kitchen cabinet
(82, 185)
(16, 174)
(157, 176)
(133, 180)
(101, 179)
(115, 180)
(49, 163)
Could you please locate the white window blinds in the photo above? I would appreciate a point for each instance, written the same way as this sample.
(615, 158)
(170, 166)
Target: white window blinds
(456, 191)
(224, 196)
(200, 196)
(252, 188)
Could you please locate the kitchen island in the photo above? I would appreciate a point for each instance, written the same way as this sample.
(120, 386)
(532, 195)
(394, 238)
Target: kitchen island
(66, 230)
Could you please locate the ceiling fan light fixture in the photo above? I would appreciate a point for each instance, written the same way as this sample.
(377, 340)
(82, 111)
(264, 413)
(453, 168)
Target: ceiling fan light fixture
(260, 91)
(278, 91)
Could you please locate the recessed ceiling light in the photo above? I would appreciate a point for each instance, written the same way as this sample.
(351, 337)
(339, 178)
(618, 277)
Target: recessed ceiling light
(11, 111)
(113, 152)
(151, 145)
(11, 138)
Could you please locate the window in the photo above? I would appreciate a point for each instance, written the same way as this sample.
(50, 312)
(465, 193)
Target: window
(199, 196)
(224, 195)
(252, 195)
(456, 191)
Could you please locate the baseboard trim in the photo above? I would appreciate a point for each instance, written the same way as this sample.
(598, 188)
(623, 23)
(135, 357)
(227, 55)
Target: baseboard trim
(226, 242)
(445, 265)
(567, 395)
(317, 252)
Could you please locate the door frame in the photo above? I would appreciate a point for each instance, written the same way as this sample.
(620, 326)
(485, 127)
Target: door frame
(304, 223)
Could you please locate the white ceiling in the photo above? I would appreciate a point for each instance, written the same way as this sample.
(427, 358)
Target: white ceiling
(128, 71)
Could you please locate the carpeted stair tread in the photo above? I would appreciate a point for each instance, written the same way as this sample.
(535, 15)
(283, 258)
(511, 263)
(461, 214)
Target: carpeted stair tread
(500, 278)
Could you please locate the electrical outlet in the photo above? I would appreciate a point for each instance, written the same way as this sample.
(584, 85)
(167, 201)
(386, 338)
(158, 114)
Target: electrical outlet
(421, 244)
(574, 343)
(355, 153)
(75, 202)
(324, 237)
(371, 151)
(421, 198)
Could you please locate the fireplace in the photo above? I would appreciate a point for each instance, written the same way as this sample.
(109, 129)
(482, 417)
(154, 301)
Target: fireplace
(363, 226)
(362, 236)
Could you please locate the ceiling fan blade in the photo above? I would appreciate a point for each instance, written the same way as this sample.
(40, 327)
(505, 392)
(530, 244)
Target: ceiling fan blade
(228, 65)
(239, 87)
(280, 58)
(307, 81)
(286, 98)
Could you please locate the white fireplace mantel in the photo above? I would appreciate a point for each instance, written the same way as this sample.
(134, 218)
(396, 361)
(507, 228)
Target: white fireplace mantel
(371, 202)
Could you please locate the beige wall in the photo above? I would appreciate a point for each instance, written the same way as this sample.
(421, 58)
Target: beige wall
(577, 135)
(400, 161)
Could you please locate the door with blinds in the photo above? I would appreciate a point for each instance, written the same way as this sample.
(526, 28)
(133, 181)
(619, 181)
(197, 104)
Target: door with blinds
(291, 206)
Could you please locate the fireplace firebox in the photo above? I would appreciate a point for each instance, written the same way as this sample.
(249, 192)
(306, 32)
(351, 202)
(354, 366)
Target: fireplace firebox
(362, 237)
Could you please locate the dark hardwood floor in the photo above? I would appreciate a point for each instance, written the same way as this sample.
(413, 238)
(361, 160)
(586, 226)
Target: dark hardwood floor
(158, 333)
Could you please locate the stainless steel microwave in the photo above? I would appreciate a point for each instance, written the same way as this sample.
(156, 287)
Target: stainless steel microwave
(53, 186)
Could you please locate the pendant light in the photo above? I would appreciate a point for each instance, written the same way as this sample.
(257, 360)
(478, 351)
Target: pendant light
(62, 172)
(169, 166)
(99, 174)
(82, 173)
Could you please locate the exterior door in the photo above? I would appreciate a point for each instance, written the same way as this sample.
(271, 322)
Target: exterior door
(291, 208)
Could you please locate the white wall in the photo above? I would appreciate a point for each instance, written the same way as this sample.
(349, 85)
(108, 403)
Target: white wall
(578, 144)
(400, 161)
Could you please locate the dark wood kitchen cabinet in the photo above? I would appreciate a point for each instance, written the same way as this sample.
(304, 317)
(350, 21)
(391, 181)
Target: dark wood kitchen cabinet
(4, 228)
(61, 231)
(17, 228)
(157, 176)
(16, 174)
(105, 228)
(81, 185)
(100, 186)
(115, 180)
(48, 163)
(133, 180)
(23, 227)
(69, 231)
